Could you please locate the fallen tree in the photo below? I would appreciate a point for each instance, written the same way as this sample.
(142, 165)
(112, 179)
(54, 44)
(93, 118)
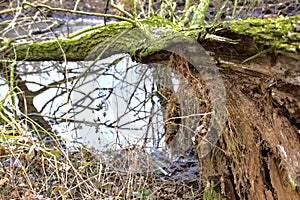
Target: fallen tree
(257, 152)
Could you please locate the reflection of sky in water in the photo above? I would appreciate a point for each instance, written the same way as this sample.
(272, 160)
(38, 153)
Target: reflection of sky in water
(4, 88)
(130, 82)
(100, 97)
(117, 111)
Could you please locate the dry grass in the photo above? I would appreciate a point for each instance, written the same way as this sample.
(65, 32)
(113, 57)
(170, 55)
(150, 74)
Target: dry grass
(30, 170)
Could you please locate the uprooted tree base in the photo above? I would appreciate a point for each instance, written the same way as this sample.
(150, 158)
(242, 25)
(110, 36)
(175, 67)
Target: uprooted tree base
(257, 155)
(260, 141)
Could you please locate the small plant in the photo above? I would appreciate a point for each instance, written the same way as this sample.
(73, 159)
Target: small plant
(144, 194)
(292, 182)
(210, 193)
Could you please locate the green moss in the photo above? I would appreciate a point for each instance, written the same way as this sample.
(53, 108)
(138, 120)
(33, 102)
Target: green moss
(274, 32)
(73, 49)
(157, 21)
(277, 33)
(79, 48)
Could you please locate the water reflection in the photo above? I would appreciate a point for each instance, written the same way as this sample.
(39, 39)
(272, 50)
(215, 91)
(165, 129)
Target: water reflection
(113, 105)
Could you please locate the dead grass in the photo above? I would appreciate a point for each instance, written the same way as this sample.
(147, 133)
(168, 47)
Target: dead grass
(30, 170)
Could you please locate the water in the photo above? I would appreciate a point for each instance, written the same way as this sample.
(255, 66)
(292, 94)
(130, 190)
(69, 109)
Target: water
(112, 106)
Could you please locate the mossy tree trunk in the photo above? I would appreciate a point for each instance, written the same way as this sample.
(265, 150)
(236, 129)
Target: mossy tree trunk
(257, 154)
